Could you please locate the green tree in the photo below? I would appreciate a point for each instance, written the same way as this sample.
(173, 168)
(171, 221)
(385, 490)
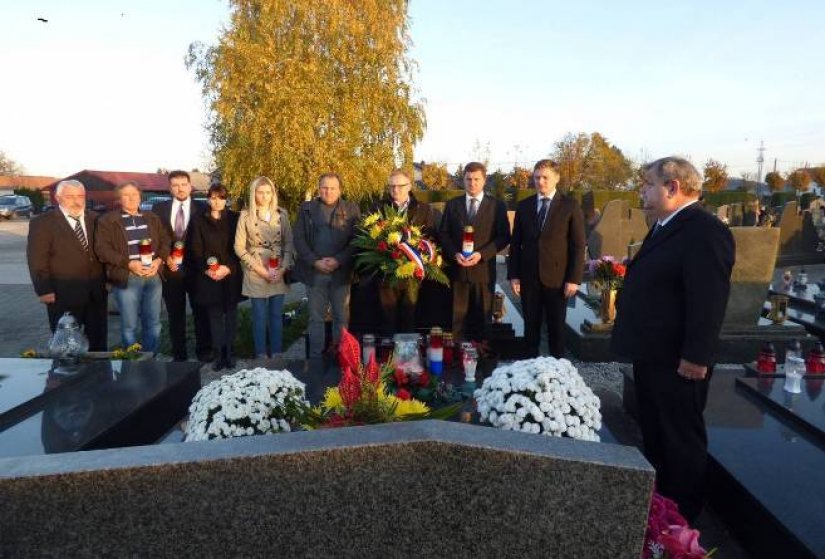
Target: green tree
(775, 181)
(9, 166)
(498, 185)
(435, 176)
(716, 176)
(296, 89)
(800, 180)
(591, 162)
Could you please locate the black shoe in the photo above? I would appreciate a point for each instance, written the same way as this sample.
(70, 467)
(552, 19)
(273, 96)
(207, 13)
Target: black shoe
(218, 364)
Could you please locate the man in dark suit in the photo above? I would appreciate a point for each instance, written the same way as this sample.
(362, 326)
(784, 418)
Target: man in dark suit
(471, 274)
(669, 315)
(397, 303)
(65, 272)
(177, 215)
(546, 260)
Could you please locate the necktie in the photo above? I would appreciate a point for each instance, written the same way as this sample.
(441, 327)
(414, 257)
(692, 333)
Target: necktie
(78, 232)
(656, 228)
(545, 204)
(473, 209)
(180, 227)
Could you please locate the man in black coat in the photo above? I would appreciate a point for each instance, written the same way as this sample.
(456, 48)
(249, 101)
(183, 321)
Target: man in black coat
(65, 272)
(669, 315)
(471, 275)
(546, 261)
(177, 217)
(397, 303)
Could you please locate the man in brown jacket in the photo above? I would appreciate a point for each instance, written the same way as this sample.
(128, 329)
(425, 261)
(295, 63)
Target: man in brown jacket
(133, 246)
(546, 262)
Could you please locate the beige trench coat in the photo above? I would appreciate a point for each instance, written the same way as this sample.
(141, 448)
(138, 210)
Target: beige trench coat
(255, 241)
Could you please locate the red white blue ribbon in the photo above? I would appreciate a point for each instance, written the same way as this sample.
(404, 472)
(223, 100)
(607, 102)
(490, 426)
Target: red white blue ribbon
(411, 254)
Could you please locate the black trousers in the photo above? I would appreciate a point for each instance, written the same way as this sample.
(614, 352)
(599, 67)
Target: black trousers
(176, 287)
(93, 316)
(472, 305)
(223, 325)
(670, 411)
(544, 303)
(397, 308)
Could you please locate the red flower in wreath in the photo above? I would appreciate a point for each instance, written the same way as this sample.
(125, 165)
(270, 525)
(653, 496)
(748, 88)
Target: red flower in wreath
(424, 379)
(403, 394)
(396, 254)
(401, 378)
(619, 269)
(419, 274)
(382, 246)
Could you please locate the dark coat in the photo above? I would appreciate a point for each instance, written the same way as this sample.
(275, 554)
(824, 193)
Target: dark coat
(674, 296)
(553, 256)
(344, 217)
(58, 263)
(214, 237)
(420, 214)
(491, 234)
(164, 211)
(112, 250)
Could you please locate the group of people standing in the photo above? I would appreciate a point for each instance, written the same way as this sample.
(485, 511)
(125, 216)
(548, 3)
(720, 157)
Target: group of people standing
(670, 309)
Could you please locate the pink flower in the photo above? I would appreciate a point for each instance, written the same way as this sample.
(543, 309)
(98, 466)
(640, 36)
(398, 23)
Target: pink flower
(682, 542)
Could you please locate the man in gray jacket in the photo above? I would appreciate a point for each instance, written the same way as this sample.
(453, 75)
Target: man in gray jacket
(324, 257)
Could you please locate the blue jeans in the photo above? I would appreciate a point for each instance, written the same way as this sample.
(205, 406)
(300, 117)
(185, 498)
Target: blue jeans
(270, 308)
(140, 300)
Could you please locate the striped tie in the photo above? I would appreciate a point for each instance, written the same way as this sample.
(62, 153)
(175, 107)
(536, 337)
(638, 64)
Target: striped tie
(78, 232)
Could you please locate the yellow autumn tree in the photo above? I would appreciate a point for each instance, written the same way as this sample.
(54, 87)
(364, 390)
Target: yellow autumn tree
(435, 176)
(296, 89)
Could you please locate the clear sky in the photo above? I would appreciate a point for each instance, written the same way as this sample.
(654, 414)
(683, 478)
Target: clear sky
(103, 84)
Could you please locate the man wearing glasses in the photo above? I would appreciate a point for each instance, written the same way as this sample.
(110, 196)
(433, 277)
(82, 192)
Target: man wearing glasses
(397, 304)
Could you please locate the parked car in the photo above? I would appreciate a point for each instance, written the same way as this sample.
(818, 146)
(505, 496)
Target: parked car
(12, 206)
(147, 204)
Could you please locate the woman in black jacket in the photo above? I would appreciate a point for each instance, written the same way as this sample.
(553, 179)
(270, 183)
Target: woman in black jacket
(219, 285)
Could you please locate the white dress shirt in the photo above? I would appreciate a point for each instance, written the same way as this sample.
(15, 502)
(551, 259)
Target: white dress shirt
(665, 221)
(187, 205)
(478, 203)
(71, 221)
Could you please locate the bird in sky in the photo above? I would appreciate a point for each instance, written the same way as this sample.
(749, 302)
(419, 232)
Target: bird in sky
(44, 20)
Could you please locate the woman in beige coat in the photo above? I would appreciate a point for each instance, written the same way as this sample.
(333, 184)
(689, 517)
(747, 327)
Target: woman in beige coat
(263, 242)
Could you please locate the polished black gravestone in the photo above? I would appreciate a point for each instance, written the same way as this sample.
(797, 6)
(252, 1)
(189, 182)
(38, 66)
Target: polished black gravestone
(47, 409)
(766, 469)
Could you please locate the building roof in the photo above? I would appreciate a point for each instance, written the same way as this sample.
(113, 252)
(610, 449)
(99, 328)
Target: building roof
(108, 180)
(25, 181)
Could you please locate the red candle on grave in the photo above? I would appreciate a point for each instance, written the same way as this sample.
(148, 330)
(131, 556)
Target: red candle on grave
(145, 251)
(448, 349)
(212, 262)
(766, 361)
(177, 252)
(815, 363)
(274, 262)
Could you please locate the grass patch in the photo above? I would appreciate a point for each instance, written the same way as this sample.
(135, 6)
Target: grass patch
(296, 318)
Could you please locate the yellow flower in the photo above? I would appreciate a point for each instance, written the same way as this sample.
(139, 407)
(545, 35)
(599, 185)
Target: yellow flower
(332, 399)
(394, 238)
(410, 407)
(416, 232)
(397, 221)
(371, 219)
(134, 347)
(438, 261)
(29, 353)
(375, 231)
(405, 270)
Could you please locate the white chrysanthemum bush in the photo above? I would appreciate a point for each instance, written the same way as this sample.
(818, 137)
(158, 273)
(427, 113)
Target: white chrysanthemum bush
(249, 402)
(544, 396)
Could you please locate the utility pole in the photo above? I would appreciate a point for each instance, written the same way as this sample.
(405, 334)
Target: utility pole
(760, 160)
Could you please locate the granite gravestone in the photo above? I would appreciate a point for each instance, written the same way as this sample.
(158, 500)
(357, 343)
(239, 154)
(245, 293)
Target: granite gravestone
(799, 240)
(419, 489)
(618, 227)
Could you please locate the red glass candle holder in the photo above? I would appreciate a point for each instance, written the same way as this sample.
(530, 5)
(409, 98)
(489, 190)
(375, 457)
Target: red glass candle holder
(146, 253)
(766, 361)
(467, 241)
(212, 262)
(177, 253)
